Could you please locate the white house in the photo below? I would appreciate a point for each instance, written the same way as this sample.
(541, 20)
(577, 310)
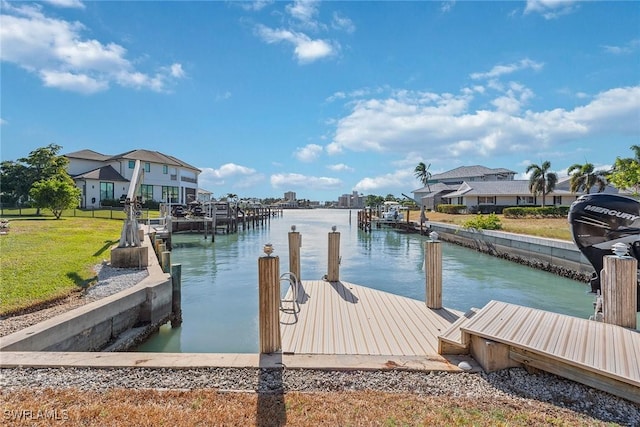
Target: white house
(439, 185)
(484, 189)
(106, 177)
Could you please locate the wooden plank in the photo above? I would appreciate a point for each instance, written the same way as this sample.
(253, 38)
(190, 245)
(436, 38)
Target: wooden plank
(592, 379)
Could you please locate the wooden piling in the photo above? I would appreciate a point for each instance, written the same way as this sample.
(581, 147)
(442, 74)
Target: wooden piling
(269, 303)
(433, 273)
(295, 242)
(176, 295)
(619, 290)
(165, 261)
(333, 267)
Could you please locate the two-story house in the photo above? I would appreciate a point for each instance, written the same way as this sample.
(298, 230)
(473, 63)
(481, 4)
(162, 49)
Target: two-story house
(106, 177)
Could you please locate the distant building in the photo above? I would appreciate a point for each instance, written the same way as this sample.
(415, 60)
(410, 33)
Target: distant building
(353, 200)
(107, 177)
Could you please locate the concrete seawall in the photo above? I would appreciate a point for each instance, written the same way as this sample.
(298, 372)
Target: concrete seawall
(553, 255)
(93, 326)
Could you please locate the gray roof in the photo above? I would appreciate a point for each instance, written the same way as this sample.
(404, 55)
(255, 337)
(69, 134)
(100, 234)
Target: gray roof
(105, 173)
(498, 188)
(470, 171)
(142, 155)
(438, 187)
(87, 155)
(153, 156)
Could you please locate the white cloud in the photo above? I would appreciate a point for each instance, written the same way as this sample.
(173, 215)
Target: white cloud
(230, 175)
(551, 9)
(299, 181)
(399, 180)
(500, 70)
(340, 167)
(254, 6)
(447, 6)
(76, 4)
(308, 153)
(305, 49)
(56, 51)
(340, 22)
(304, 11)
(626, 49)
(444, 126)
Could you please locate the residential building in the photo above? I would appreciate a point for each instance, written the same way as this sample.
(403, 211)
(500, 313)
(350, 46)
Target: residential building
(353, 200)
(439, 185)
(482, 189)
(290, 196)
(107, 177)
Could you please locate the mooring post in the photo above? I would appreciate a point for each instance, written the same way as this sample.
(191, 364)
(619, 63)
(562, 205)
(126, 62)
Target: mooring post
(295, 242)
(269, 301)
(620, 289)
(166, 261)
(433, 271)
(333, 267)
(176, 295)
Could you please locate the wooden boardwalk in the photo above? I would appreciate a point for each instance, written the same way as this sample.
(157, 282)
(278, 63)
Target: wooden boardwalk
(346, 319)
(601, 355)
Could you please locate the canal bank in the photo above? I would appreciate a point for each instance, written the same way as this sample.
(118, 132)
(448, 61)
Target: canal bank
(553, 255)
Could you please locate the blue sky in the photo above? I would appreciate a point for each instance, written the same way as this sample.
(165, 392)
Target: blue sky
(324, 98)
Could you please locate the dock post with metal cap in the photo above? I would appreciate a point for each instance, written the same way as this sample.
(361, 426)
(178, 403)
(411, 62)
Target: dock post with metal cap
(333, 267)
(269, 301)
(620, 288)
(433, 271)
(295, 242)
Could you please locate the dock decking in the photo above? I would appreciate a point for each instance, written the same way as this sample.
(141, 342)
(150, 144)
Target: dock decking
(348, 319)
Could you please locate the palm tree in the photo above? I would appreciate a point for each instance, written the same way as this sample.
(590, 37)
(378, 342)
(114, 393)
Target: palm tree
(583, 177)
(422, 173)
(541, 180)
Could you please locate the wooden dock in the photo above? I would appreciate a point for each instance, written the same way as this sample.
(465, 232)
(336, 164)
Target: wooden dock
(597, 354)
(348, 319)
(341, 318)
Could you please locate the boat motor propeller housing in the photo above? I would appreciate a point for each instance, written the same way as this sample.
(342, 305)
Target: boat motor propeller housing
(599, 221)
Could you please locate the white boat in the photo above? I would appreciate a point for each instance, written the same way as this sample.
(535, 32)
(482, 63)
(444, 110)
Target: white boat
(391, 211)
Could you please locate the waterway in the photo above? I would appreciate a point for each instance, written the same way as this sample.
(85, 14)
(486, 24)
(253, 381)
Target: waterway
(220, 279)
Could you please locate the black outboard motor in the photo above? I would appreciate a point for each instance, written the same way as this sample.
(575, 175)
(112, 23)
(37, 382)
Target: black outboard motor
(600, 220)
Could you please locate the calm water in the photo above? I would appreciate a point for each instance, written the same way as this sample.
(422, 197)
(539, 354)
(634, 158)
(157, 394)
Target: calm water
(220, 279)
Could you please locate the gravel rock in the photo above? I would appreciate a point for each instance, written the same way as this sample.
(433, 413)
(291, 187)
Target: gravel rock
(110, 281)
(511, 385)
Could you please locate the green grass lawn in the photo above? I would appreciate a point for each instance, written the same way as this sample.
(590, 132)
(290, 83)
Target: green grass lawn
(43, 259)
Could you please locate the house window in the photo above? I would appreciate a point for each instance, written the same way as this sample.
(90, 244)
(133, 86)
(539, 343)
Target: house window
(486, 200)
(557, 200)
(165, 169)
(526, 200)
(132, 164)
(146, 192)
(147, 167)
(106, 191)
(170, 194)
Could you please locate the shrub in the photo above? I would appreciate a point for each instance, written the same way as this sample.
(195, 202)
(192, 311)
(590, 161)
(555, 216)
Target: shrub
(537, 212)
(451, 209)
(484, 222)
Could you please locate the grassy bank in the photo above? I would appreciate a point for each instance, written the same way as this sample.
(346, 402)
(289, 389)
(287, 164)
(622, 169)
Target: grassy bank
(43, 259)
(358, 408)
(551, 228)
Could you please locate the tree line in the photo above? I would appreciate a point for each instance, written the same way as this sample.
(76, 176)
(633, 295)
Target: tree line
(41, 178)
